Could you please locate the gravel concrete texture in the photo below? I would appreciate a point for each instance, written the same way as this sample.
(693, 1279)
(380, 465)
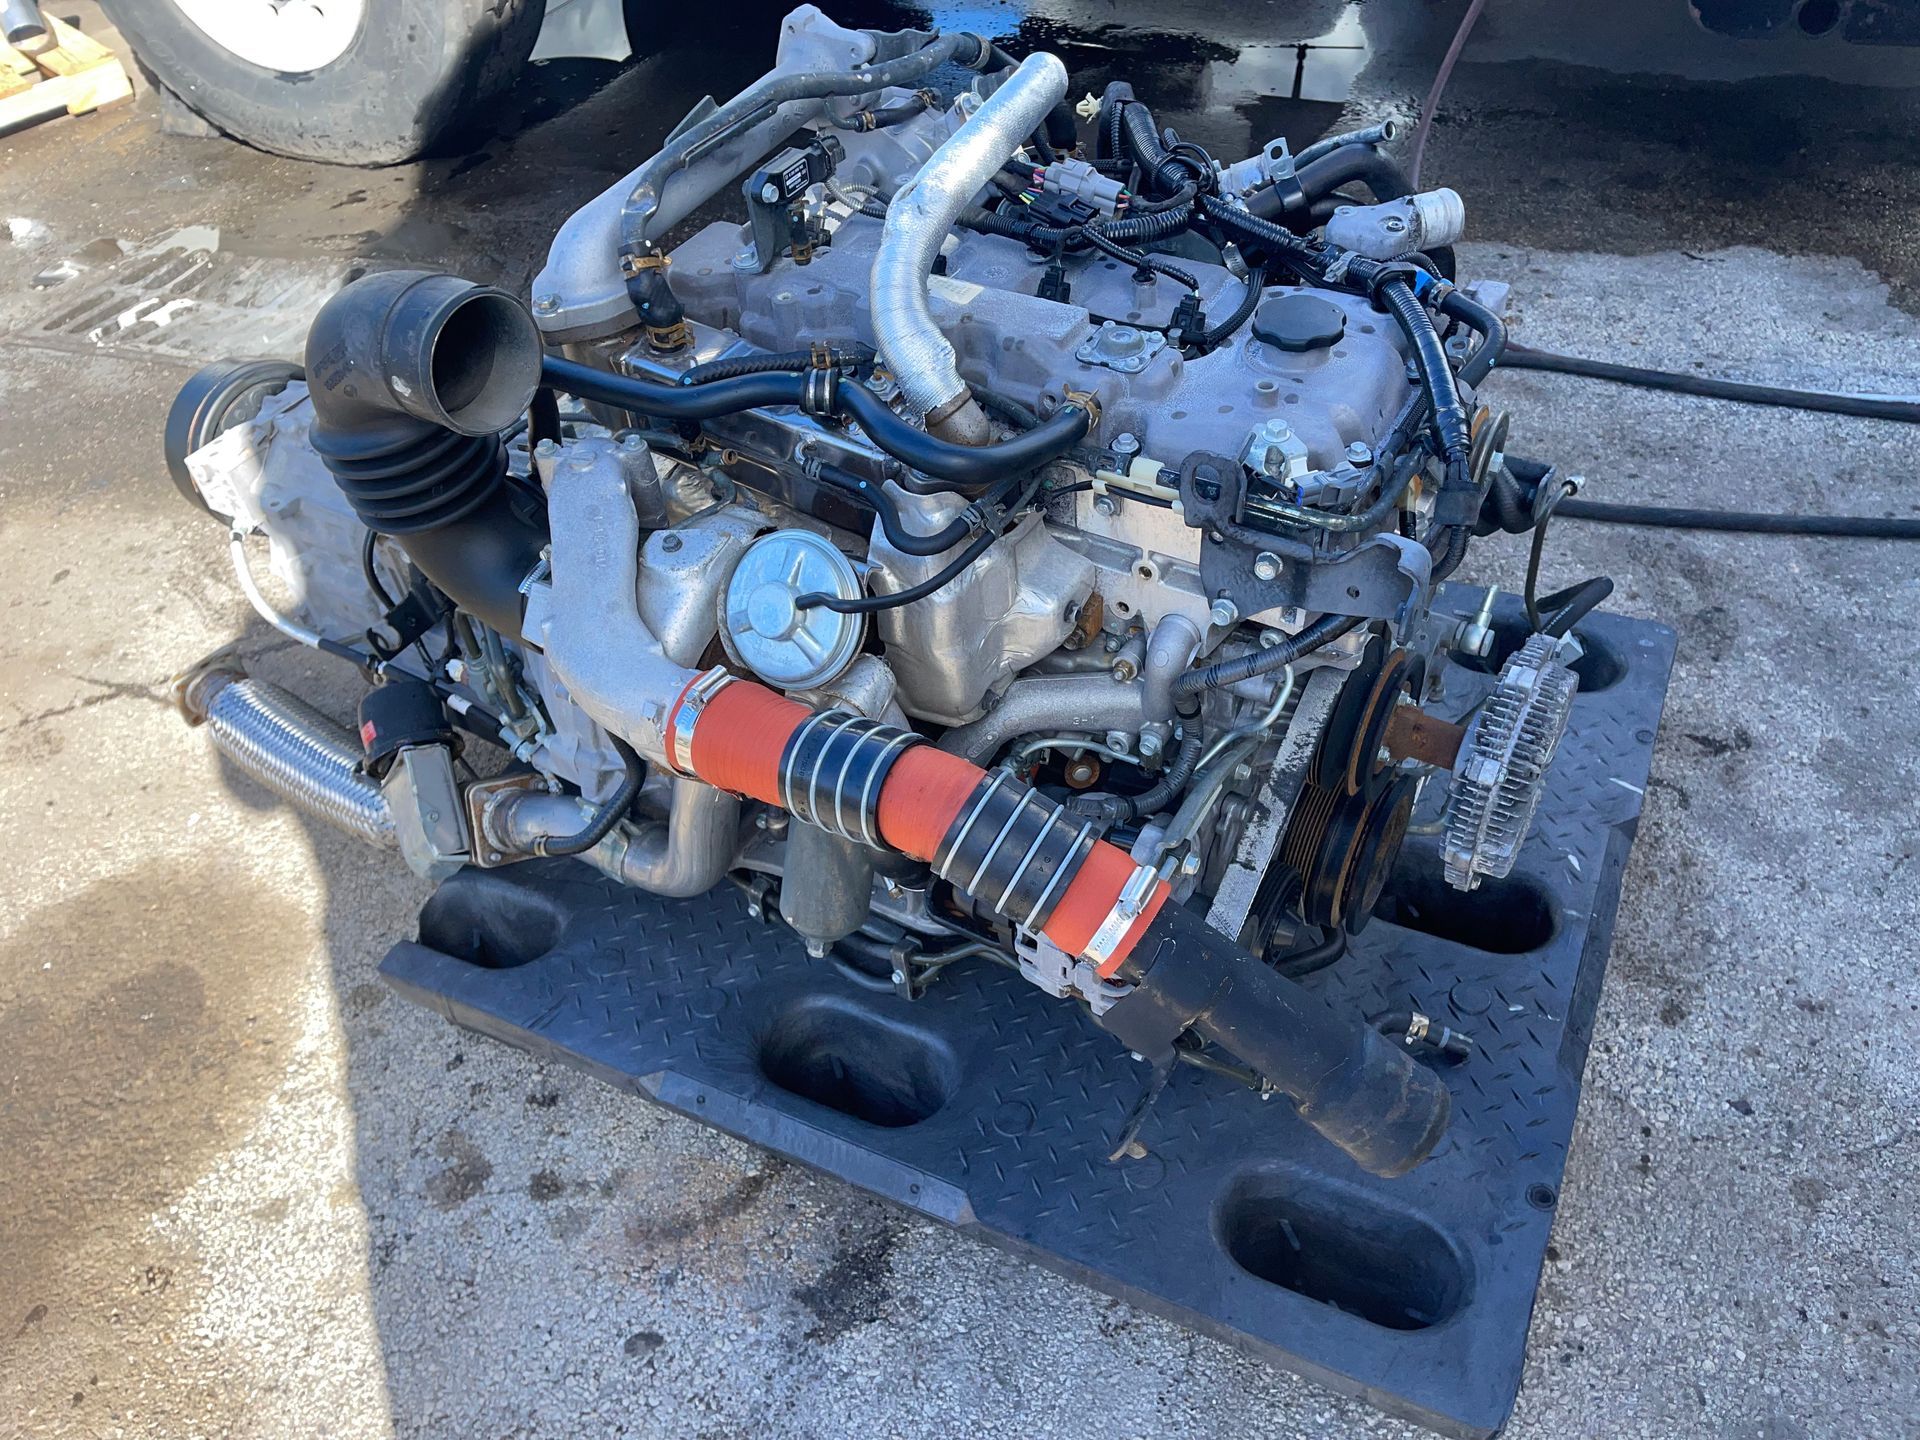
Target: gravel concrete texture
(249, 1193)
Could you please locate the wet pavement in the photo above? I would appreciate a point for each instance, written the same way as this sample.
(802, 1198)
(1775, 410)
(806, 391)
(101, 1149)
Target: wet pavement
(249, 1193)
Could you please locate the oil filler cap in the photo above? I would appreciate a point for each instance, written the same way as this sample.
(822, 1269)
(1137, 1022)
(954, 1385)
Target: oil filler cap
(766, 629)
(1299, 323)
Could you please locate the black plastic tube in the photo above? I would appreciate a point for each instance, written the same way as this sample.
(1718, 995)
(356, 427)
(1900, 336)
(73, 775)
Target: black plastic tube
(1264, 662)
(1141, 138)
(1449, 418)
(1842, 527)
(871, 604)
(967, 468)
(1865, 407)
(1172, 781)
(608, 814)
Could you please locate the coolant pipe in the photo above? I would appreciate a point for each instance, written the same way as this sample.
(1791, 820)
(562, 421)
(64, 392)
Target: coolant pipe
(919, 217)
(1059, 702)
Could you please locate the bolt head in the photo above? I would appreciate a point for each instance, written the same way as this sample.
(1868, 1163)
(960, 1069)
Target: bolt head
(1126, 443)
(1266, 566)
(898, 977)
(1224, 612)
(546, 304)
(770, 193)
(1360, 454)
(1106, 505)
(1149, 744)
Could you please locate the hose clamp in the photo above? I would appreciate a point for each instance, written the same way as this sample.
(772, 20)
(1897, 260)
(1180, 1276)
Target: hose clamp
(1127, 906)
(685, 714)
(1087, 401)
(820, 393)
(833, 770)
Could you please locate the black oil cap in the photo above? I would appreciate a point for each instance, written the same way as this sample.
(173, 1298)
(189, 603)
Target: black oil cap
(398, 714)
(1299, 322)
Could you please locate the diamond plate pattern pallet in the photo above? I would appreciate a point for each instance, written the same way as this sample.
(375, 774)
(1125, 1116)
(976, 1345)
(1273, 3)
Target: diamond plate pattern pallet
(992, 1108)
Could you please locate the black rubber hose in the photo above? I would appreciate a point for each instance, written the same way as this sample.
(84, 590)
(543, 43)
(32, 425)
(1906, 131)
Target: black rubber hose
(608, 814)
(842, 355)
(1264, 662)
(1379, 172)
(906, 541)
(887, 116)
(969, 469)
(1865, 407)
(1493, 335)
(1347, 1081)
(1844, 527)
(1330, 949)
(1063, 127)
(543, 418)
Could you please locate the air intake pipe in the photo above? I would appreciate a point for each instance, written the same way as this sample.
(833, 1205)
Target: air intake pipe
(918, 219)
(413, 375)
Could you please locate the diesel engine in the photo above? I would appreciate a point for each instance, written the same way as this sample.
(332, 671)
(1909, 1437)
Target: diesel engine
(1012, 537)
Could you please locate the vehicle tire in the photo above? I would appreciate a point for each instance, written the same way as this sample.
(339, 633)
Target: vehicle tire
(354, 82)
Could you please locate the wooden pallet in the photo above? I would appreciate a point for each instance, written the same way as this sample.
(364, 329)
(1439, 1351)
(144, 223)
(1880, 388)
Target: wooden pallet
(70, 76)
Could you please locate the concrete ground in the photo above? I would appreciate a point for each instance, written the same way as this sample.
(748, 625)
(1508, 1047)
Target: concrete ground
(247, 1192)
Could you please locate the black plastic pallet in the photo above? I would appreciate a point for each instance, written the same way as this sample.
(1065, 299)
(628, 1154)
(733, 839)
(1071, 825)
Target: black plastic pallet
(993, 1108)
